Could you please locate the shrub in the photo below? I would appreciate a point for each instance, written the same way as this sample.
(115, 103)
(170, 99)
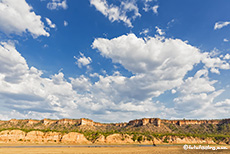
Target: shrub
(140, 138)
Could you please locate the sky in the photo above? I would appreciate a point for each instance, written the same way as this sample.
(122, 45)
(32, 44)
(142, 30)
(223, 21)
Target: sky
(114, 60)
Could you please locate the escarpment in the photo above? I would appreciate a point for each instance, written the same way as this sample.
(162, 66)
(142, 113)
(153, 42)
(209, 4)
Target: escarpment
(18, 136)
(87, 131)
(137, 122)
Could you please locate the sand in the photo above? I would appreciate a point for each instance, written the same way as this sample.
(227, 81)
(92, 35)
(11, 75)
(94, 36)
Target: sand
(107, 150)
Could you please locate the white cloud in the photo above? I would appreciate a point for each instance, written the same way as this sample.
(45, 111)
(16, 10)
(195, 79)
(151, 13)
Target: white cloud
(225, 40)
(57, 4)
(159, 31)
(83, 61)
(13, 65)
(197, 96)
(148, 6)
(20, 12)
(198, 84)
(155, 9)
(115, 13)
(173, 91)
(49, 22)
(33, 96)
(81, 84)
(221, 24)
(157, 65)
(24, 90)
(144, 31)
(215, 63)
(227, 56)
(66, 23)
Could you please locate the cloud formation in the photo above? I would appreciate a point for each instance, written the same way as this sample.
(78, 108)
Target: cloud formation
(159, 31)
(117, 13)
(49, 22)
(221, 24)
(20, 12)
(57, 4)
(157, 64)
(82, 60)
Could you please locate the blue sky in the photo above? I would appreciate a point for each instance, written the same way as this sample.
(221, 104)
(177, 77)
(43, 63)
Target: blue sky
(114, 60)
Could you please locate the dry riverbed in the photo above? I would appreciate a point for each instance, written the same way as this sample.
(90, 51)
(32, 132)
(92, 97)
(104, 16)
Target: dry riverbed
(111, 149)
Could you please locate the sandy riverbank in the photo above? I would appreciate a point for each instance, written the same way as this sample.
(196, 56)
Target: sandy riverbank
(59, 149)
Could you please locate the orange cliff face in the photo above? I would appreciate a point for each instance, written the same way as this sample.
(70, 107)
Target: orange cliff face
(194, 122)
(145, 121)
(68, 121)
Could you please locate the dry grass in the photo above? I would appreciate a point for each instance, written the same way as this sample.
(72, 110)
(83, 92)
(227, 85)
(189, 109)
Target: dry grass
(109, 150)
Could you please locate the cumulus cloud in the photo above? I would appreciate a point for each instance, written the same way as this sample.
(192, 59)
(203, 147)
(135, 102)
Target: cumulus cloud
(82, 60)
(225, 40)
(144, 31)
(49, 22)
(57, 4)
(24, 90)
(33, 96)
(215, 63)
(159, 31)
(148, 6)
(196, 95)
(157, 65)
(152, 55)
(13, 65)
(20, 12)
(117, 13)
(155, 9)
(66, 23)
(227, 56)
(81, 84)
(221, 24)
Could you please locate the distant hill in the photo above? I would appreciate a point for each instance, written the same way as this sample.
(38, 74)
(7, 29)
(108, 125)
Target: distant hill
(217, 130)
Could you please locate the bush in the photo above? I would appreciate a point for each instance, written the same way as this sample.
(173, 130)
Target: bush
(134, 138)
(140, 138)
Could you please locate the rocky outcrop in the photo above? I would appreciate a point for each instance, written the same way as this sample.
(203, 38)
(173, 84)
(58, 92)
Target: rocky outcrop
(52, 137)
(34, 136)
(138, 122)
(186, 140)
(196, 122)
(40, 137)
(119, 139)
(74, 137)
(100, 140)
(68, 121)
(12, 136)
(18, 136)
(145, 121)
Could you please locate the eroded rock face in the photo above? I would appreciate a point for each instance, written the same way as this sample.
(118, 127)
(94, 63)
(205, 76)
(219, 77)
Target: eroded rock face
(186, 140)
(100, 140)
(35, 136)
(52, 137)
(18, 136)
(74, 137)
(119, 139)
(12, 136)
(40, 137)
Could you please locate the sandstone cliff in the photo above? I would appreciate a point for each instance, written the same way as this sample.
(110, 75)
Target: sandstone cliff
(18, 136)
(138, 122)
